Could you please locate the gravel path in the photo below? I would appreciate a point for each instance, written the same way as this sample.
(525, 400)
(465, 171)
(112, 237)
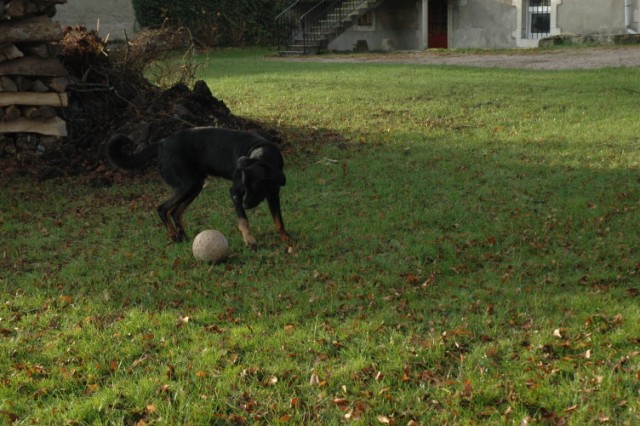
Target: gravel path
(556, 59)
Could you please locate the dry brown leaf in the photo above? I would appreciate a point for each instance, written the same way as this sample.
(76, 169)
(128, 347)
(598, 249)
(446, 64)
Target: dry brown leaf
(468, 389)
(66, 299)
(340, 401)
(91, 388)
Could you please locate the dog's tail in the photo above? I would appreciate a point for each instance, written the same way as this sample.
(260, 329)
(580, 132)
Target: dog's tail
(129, 162)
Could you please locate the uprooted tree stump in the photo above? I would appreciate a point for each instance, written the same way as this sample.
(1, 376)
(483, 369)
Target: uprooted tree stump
(108, 94)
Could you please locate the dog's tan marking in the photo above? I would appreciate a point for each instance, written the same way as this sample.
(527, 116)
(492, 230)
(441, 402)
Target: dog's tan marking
(280, 228)
(249, 240)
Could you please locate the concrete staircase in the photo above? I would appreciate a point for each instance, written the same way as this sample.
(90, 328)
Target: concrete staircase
(312, 26)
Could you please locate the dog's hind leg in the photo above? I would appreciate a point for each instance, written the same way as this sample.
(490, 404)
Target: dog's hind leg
(176, 214)
(171, 211)
(164, 211)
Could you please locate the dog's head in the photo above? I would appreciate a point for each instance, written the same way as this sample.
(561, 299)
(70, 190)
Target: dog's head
(258, 179)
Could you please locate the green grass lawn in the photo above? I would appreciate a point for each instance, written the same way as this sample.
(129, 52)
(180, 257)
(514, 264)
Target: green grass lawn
(465, 251)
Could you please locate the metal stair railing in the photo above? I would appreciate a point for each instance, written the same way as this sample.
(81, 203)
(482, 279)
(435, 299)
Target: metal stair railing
(324, 20)
(288, 24)
(327, 19)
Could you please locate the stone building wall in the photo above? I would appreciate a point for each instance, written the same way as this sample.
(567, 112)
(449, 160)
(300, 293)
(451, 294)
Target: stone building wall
(114, 16)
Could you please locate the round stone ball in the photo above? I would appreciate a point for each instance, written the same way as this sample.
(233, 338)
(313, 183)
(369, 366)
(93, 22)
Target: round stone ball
(210, 246)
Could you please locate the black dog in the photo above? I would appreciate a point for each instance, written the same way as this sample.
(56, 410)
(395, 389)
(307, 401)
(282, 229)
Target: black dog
(187, 157)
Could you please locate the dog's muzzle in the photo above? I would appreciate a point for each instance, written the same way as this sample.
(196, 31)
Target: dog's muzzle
(250, 201)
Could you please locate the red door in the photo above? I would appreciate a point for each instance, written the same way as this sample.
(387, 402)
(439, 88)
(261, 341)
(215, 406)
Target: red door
(438, 20)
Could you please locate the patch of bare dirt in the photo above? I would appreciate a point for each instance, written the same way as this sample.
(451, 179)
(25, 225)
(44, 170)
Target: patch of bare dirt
(538, 59)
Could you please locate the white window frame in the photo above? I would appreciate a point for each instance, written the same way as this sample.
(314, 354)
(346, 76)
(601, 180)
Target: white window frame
(522, 33)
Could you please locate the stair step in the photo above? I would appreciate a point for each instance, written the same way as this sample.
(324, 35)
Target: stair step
(330, 26)
(290, 53)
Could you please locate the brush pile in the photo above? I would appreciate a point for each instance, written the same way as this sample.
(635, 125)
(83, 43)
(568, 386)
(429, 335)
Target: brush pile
(108, 93)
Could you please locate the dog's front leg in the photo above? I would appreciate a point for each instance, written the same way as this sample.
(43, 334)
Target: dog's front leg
(249, 240)
(273, 199)
(243, 222)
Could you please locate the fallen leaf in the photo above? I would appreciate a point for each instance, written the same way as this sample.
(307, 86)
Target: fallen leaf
(353, 415)
(526, 421)
(412, 279)
(384, 420)
(314, 380)
(91, 388)
(490, 309)
(468, 389)
(171, 372)
(214, 328)
(340, 401)
(66, 299)
(12, 417)
(430, 280)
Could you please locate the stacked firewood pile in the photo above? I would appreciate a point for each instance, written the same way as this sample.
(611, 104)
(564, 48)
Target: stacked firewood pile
(32, 79)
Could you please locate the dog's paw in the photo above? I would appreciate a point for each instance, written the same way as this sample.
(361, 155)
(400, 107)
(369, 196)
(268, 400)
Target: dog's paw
(250, 242)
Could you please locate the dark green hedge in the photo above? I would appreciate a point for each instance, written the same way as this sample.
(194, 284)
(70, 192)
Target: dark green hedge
(215, 22)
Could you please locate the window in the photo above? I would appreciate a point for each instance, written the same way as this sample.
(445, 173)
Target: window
(366, 21)
(538, 18)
